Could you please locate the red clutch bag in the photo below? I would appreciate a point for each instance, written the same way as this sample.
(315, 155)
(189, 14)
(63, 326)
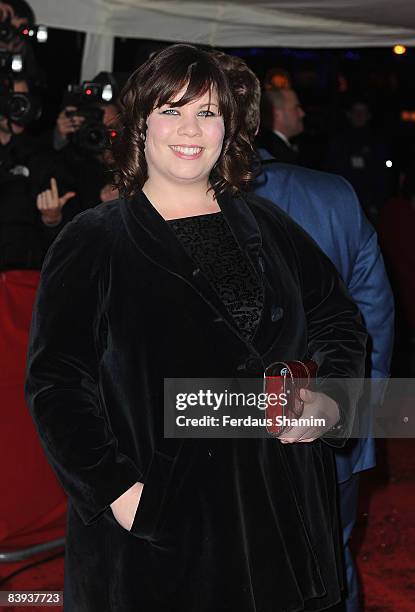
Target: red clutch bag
(284, 379)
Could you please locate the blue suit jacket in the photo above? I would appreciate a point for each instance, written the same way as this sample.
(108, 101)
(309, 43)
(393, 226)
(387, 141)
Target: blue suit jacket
(326, 206)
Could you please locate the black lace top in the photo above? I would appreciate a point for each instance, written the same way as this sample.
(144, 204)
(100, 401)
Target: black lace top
(209, 241)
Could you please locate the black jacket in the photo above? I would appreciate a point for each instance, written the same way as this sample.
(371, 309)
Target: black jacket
(23, 240)
(222, 524)
(277, 147)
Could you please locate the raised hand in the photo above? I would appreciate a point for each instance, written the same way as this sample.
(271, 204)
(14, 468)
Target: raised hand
(50, 204)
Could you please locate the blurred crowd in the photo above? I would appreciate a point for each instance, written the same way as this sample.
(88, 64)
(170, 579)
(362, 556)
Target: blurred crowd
(49, 176)
(368, 158)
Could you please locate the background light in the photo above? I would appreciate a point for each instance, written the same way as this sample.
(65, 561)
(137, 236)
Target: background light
(408, 115)
(17, 63)
(388, 163)
(107, 92)
(42, 34)
(399, 49)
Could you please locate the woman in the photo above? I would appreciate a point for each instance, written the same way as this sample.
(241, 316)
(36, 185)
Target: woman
(188, 277)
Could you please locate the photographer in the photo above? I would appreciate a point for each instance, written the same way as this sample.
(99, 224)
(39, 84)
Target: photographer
(23, 241)
(14, 15)
(17, 13)
(82, 159)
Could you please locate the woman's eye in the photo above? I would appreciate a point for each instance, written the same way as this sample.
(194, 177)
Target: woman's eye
(202, 113)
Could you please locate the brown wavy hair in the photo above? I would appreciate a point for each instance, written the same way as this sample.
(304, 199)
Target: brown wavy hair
(157, 82)
(246, 89)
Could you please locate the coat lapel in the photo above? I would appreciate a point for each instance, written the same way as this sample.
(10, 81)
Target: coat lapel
(157, 241)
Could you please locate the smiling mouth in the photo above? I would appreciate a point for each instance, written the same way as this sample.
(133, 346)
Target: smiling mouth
(186, 151)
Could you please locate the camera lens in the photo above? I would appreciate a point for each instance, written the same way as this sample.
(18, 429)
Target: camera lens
(92, 137)
(18, 107)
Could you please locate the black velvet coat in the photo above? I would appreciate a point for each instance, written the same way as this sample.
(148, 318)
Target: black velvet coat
(235, 525)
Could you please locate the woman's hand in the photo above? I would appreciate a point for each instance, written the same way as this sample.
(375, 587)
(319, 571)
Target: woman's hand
(316, 405)
(50, 204)
(125, 506)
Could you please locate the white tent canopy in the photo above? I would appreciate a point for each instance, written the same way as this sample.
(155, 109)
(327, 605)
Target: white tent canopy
(236, 23)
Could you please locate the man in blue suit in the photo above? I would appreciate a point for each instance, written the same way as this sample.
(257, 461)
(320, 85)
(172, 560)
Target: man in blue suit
(326, 206)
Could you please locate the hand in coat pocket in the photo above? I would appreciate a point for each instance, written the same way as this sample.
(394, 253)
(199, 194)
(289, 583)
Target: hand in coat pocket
(124, 508)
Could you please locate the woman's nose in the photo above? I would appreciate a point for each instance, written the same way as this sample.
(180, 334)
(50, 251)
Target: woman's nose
(189, 126)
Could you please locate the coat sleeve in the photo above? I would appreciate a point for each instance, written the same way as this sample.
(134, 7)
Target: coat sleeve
(62, 384)
(369, 287)
(336, 334)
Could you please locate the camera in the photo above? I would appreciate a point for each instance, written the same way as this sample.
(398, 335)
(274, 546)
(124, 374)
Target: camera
(8, 32)
(92, 134)
(88, 98)
(18, 107)
(10, 63)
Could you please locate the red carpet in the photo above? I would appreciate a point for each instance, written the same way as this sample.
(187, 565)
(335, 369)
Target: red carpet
(32, 503)
(384, 540)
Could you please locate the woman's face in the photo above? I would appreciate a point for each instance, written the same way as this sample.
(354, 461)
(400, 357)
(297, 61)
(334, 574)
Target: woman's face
(183, 143)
